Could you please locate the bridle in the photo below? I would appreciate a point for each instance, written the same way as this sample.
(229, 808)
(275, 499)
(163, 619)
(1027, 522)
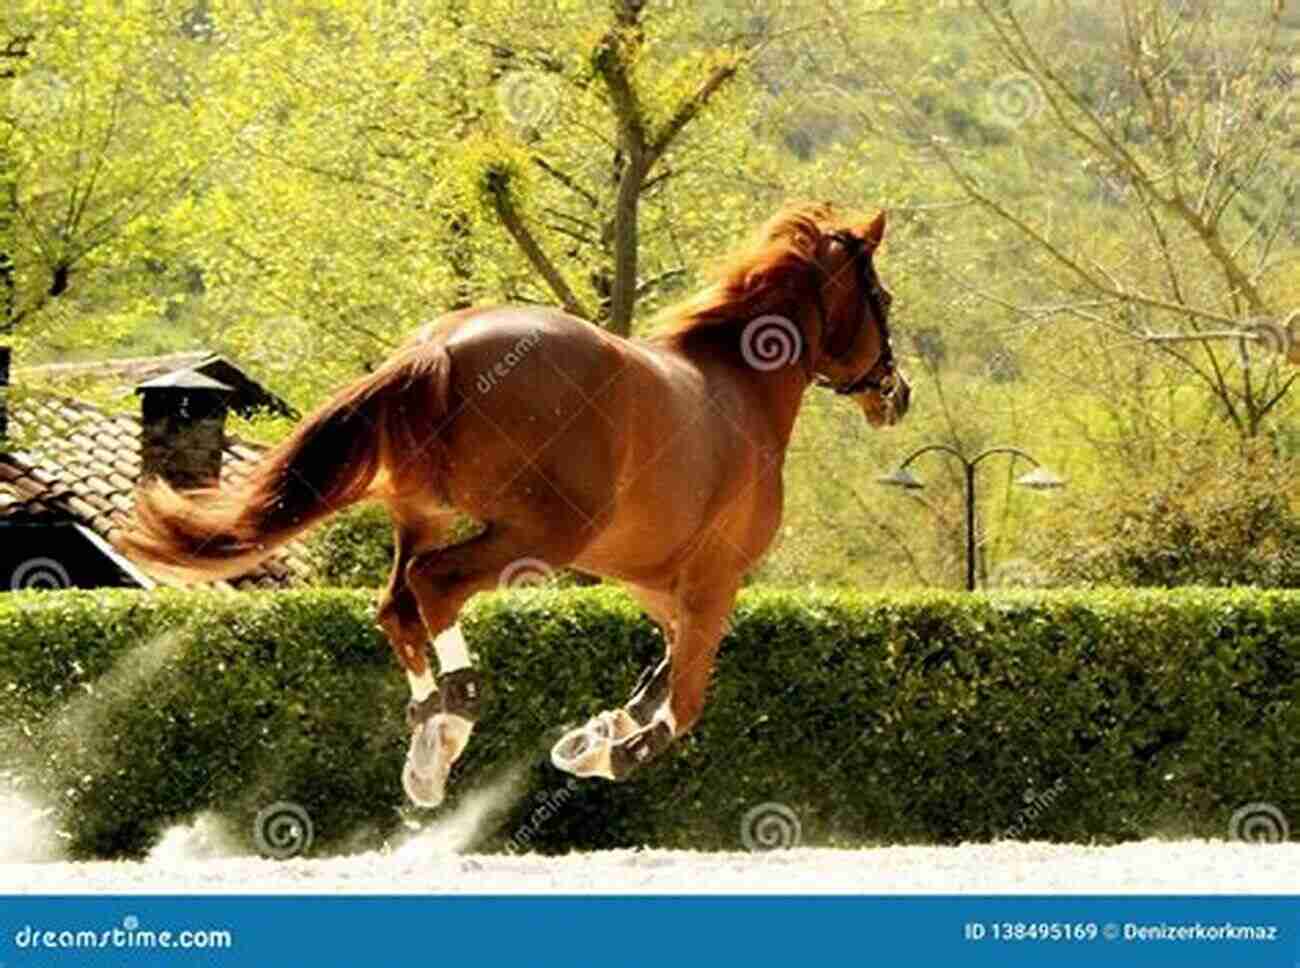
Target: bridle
(886, 384)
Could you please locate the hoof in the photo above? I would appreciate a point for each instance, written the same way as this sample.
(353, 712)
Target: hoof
(423, 789)
(435, 746)
(586, 751)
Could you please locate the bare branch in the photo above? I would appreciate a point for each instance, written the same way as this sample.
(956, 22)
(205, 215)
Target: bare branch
(532, 249)
(688, 109)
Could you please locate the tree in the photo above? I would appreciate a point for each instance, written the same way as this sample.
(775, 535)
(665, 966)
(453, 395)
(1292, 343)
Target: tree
(1191, 132)
(102, 143)
(15, 50)
(407, 159)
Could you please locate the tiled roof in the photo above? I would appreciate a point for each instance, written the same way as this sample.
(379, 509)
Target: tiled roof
(83, 465)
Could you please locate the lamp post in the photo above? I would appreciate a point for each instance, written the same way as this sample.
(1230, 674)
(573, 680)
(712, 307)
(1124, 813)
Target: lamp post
(1038, 479)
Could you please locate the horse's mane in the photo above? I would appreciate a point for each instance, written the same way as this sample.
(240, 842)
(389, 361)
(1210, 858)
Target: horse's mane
(778, 263)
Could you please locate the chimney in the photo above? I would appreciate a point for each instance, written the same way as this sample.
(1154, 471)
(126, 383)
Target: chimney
(183, 428)
(5, 354)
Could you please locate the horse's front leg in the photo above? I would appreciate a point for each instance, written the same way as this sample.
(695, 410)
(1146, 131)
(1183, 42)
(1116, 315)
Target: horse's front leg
(666, 704)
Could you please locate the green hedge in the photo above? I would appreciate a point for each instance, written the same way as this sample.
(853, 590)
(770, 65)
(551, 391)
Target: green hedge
(918, 718)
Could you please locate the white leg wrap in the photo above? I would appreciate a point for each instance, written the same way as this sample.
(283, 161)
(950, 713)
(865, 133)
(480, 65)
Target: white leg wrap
(422, 686)
(452, 651)
(664, 714)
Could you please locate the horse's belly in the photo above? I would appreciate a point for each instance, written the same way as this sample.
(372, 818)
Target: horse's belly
(645, 537)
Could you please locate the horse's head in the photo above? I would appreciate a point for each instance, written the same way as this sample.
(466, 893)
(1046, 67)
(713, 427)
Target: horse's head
(854, 355)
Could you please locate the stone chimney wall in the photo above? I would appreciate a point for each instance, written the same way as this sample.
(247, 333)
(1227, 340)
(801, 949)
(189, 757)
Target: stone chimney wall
(183, 433)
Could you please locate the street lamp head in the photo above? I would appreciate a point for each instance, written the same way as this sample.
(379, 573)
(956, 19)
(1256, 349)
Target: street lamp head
(903, 478)
(1040, 479)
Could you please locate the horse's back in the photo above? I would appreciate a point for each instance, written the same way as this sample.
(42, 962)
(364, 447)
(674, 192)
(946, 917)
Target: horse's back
(625, 438)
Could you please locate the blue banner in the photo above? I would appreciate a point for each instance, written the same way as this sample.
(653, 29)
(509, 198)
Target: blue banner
(663, 932)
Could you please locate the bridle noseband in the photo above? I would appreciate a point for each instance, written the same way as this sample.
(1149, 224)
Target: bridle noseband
(887, 383)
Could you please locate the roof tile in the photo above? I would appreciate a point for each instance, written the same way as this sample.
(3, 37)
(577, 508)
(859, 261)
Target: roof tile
(84, 467)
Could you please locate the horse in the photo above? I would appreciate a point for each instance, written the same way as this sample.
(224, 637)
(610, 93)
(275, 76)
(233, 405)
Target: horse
(520, 436)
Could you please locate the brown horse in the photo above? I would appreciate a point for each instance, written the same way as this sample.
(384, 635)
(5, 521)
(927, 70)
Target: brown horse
(511, 438)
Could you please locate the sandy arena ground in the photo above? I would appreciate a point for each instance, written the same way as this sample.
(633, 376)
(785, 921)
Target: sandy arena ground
(203, 857)
(421, 867)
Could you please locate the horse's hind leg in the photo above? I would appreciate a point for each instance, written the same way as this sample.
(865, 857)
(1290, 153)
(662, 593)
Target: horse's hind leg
(440, 581)
(667, 703)
(433, 748)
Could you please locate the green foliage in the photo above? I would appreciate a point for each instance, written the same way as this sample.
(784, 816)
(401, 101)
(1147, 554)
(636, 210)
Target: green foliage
(301, 185)
(1216, 523)
(353, 549)
(918, 718)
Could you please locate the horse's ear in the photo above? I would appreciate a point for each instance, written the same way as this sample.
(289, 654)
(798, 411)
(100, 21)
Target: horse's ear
(874, 233)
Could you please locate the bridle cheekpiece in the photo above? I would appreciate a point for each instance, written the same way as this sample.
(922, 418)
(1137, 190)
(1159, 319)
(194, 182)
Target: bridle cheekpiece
(886, 384)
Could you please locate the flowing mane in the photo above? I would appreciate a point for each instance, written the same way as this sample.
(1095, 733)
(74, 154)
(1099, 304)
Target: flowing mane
(774, 268)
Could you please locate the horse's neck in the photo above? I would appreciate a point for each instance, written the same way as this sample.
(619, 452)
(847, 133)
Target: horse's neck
(776, 393)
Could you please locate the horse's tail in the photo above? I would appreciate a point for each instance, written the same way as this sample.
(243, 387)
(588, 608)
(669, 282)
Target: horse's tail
(328, 463)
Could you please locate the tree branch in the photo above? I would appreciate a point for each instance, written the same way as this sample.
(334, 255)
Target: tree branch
(688, 109)
(567, 180)
(499, 189)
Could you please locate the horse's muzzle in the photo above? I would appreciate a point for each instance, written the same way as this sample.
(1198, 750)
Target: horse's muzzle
(899, 401)
(886, 406)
